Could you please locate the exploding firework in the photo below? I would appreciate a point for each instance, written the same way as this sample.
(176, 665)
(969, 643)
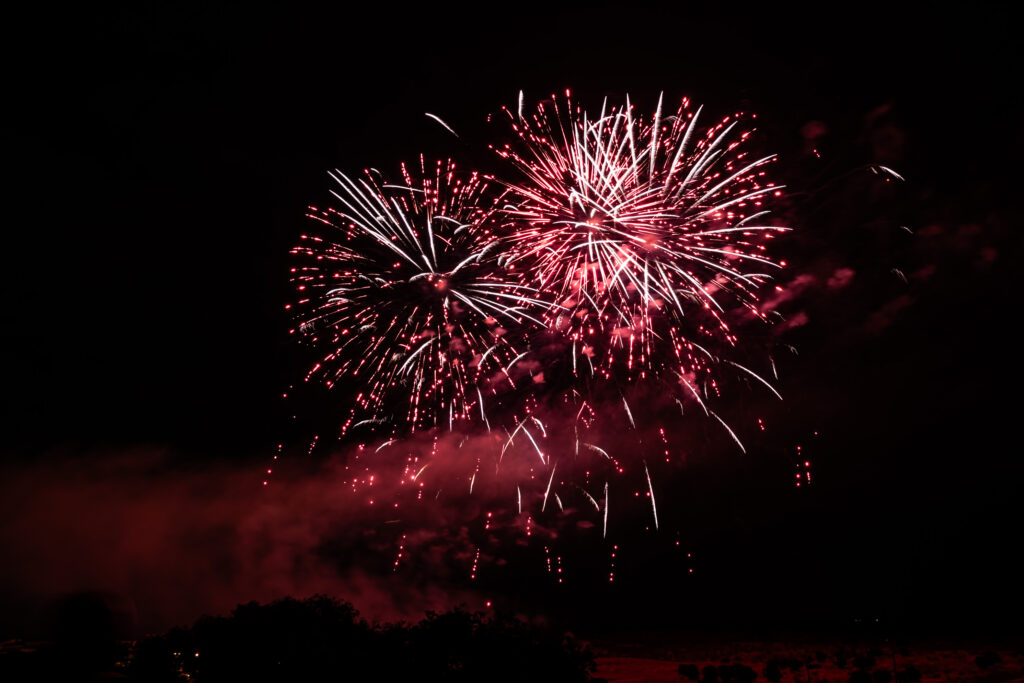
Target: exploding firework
(648, 234)
(404, 298)
(624, 257)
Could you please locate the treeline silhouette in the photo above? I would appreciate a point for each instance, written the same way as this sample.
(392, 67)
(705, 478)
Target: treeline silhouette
(322, 639)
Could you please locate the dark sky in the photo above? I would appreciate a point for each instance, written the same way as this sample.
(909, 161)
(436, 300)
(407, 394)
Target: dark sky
(159, 161)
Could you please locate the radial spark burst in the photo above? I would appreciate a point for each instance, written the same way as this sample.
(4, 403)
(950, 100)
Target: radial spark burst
(402, 295)
(637, 243)
(646, 231)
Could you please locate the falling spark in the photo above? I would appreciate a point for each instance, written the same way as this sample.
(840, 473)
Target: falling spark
(548, 490)
(650, 490)
(629, 413)
(604, 533)
(446, 126)
(729, 429)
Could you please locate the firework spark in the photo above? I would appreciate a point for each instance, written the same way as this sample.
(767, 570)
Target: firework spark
(403, 296)
(644, 231)
(635, 243)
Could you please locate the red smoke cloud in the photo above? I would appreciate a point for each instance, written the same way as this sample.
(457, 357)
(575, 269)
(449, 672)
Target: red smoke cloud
(176, 543)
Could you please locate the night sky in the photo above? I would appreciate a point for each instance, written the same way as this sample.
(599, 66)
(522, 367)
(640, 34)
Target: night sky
(159, 162)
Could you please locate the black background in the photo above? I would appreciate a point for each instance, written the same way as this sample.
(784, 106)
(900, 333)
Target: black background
(159, 159)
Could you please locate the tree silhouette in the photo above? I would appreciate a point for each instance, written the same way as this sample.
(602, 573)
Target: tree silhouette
(689, 671)
(321, 639)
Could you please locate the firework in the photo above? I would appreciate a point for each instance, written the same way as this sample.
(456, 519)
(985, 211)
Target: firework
(647, 232)
(630, 248)
(402, 295)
